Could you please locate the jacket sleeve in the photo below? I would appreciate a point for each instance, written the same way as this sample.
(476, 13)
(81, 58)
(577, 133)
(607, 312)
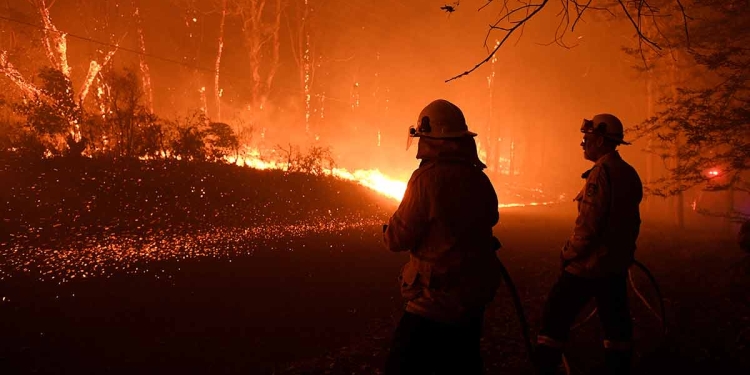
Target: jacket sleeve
(407, 226)
(593, 208)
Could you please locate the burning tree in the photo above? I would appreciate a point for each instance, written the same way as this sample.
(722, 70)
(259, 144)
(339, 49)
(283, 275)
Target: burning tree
(222, 141)
(189, 141)
(261, 21)
(51, 109)
(127, 117)
(300, 30)
(49, 106)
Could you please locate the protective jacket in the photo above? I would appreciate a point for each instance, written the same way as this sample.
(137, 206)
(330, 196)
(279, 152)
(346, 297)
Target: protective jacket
(608, 223)
(445, 221)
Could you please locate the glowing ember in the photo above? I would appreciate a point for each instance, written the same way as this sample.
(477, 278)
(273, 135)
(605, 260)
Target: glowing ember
(115, 254)
(713, 172)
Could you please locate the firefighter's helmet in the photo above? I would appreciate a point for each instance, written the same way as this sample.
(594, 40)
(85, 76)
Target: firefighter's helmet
(606, 125)
(441, 119)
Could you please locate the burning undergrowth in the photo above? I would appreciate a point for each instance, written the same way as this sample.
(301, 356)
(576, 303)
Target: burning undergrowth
(68, 217)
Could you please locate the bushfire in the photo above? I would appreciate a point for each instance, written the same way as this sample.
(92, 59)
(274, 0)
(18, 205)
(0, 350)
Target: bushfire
(371, 178)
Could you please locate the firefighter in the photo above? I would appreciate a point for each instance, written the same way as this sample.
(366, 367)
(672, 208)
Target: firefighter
(445, 222)
(596, 258)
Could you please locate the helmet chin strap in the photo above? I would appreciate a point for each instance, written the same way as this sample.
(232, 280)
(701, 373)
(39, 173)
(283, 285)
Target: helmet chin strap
(409, 141)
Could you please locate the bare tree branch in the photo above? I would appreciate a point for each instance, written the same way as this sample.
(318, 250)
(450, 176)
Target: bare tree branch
(685, 22)
(580, 14)
(640, 14)
(482, 7)
(509, 32)
(636, 25)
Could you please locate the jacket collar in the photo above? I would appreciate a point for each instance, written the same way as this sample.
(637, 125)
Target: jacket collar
(612, 155)
(449, 149)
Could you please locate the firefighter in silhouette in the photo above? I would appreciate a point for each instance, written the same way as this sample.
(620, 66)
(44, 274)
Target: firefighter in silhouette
(596, 258)
(445, 222)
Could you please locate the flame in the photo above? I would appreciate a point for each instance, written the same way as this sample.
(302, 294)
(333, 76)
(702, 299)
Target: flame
(94, 69)
(375, 180)
(714, 172)
(370, 178)
(55, 41)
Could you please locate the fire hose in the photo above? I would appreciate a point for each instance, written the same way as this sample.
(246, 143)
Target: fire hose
(519, 309)
(661, 315)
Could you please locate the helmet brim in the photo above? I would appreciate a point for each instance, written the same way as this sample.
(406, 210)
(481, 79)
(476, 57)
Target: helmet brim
(460, 134)
(617, 139)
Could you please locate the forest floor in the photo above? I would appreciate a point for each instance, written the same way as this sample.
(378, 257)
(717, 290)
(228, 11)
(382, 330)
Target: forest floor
(162, 267)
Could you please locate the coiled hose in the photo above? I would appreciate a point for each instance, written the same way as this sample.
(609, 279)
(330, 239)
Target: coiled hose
(661, 315)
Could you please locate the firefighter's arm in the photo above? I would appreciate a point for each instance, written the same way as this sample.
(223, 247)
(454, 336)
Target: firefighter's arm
(406, 227)
(592, 216)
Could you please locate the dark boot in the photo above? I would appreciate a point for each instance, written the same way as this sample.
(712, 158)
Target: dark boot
(618, 361)
(547, 360)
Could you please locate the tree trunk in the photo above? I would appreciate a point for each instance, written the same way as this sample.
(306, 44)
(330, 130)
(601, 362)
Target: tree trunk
(217, 89)
(302, 51)
(145, 71)
(679, 199)
(262, 42)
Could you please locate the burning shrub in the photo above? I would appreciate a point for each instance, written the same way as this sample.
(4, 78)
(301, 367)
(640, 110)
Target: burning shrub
(189, 137)
(30, 146)
(50, 113)
(153, 137)
(221, 141)
(127, 119)
(9, 132)
(316, 161)
(75, 146)
(189, 144)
